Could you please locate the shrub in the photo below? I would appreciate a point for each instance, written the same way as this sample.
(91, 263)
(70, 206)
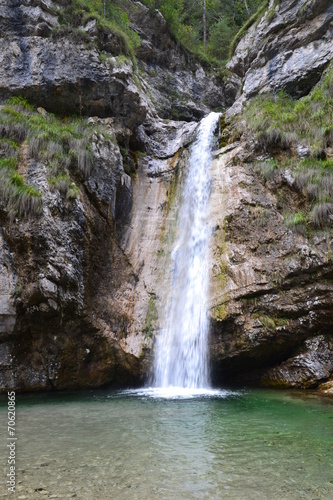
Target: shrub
(322, 215)
(16, 197)
(296, 222)
(280, 125)
(61, 144)
(266, 169)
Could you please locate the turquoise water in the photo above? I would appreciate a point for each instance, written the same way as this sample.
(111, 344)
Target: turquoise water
(253, 444)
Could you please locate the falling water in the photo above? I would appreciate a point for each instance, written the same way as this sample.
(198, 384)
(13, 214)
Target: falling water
(181, 354)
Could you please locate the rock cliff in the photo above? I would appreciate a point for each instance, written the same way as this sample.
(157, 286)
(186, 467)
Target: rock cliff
(287, 47)
(273, 321)
(271, 299)
(77, 262)
(88, 217)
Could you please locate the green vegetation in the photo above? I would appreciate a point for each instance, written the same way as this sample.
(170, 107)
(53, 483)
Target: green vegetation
(65, 186)
(111, 22)
(210, 30)
(297, 222)
(150, 318)
(283, 127)
(130, 161)
(16, 196)
(266, 169)
(63, 145)
(224, 22)
(254, 19)
(270, 324)
(221, 312)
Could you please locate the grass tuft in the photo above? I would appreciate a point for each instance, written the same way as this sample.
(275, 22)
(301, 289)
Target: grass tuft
(322, 215)
(63, 145)
(283, 126)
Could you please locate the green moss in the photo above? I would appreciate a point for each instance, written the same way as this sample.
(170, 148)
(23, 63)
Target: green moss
(151, 318)
(221, 312)
(267, 322)
(173, 186)
(281, 322)
(104, 57)
(222, 275)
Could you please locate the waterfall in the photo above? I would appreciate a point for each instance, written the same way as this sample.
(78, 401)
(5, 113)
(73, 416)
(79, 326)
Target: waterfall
(182, 347)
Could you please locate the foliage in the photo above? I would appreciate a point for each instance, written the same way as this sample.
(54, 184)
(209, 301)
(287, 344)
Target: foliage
(282, 126)
(150, 318)
(297, 222)
(266, 169)
(255, 18)
(224, 20)
(269, 323)
(16, 196)
(73, 15)
(61, 144)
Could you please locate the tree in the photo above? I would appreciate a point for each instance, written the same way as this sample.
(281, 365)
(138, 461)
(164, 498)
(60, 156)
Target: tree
(204, 22)
(247, 9)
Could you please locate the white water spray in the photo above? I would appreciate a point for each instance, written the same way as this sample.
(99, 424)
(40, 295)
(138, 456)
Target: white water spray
(181, 355)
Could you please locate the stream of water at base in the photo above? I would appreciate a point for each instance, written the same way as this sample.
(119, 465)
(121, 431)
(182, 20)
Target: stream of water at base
(243, 445)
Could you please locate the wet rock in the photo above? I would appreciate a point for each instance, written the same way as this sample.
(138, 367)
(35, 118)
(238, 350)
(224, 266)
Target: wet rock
(60, 319)
(313, 364)
(271, 288)
(326, 388)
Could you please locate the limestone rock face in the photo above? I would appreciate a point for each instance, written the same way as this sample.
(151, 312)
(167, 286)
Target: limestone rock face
(67, 75)
(288, 48)
(77, 281)
(313, 364)
(271, 292)
(60, 272)
(61, 73)
(147, 237)
(83, 285)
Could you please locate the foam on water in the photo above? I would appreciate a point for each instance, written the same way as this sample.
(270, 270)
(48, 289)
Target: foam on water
(174, 392)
